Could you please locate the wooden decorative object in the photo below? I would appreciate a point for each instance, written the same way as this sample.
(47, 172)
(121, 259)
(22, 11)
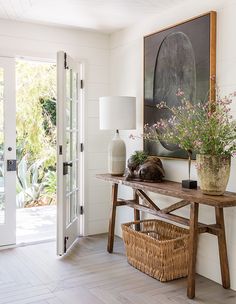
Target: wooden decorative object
(151, 169)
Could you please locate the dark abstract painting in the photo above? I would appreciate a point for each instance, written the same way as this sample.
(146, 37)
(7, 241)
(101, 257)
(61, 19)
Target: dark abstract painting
(179, 57)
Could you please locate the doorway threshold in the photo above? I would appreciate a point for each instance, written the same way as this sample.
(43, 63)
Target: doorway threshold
(23, 244)
(26, 244)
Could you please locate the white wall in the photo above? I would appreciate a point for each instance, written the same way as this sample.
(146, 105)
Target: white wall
(37, 41)
(123, 75)
(126, 69)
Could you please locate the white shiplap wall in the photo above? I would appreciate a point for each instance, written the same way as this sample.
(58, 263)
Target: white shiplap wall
(37, 41)
(127, 78)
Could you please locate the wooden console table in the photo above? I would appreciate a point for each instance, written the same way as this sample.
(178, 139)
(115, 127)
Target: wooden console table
(194, 198)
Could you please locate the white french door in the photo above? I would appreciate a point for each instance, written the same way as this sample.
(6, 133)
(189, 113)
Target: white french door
(7, 152)
(68, 151)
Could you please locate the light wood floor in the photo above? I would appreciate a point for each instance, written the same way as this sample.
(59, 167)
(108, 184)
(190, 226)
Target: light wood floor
(89, 275)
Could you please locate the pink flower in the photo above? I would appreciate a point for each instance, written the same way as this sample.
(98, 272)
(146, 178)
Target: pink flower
(198, 143)
(179, 92)
(161, 105)
(198, 166)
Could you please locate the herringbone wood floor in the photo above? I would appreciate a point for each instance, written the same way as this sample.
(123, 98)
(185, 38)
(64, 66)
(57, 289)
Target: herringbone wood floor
(89, 275)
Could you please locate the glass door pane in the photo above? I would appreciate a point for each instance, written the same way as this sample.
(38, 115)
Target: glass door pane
(71, 145)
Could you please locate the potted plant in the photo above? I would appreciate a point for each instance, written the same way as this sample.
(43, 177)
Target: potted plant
(205, 128)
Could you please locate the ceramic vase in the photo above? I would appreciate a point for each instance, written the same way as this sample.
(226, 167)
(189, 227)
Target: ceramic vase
(213, 173)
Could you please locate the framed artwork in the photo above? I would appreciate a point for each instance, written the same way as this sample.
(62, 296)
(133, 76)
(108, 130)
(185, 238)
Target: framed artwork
(182, 56)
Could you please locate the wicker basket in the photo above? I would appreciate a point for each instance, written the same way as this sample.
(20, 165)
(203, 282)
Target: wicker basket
(158, 249)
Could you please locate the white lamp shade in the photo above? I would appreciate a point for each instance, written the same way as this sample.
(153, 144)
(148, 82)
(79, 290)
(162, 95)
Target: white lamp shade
(117, 113)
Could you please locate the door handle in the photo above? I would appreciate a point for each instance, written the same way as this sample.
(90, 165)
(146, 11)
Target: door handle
(65, 167)
(11, 165)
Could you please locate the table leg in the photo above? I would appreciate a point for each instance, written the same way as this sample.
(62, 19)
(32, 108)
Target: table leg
(193, 240)
(136, 212)
(224, 266)
(112, 219)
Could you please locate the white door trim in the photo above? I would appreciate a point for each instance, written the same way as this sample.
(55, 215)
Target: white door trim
(8, 229)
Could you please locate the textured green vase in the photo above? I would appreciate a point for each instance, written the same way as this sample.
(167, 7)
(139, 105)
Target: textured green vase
(213, 173)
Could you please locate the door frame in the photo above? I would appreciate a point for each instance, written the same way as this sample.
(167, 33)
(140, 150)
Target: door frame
(83, 155)
(84, 217)
(9, 151)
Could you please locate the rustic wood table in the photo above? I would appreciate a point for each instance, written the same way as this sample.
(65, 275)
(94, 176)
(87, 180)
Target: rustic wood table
(191, 197)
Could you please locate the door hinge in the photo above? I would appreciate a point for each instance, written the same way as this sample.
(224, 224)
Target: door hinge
(60, 150)
(81, 83)
(81, 211)
(65, 62)
(81, 147)
(65, 243)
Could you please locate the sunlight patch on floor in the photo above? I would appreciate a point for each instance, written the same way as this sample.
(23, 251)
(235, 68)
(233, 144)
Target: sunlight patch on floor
(35, 224)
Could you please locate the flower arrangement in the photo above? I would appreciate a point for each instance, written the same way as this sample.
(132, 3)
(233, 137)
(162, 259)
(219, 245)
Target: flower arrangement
(206, 128)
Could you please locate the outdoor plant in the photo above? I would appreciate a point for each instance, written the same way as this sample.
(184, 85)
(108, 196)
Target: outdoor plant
(204, 128)
(50, 185)
(36, 132)
(35, 113)
(29, 182)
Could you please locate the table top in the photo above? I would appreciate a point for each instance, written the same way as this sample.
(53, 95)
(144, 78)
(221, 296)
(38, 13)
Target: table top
(174, 189)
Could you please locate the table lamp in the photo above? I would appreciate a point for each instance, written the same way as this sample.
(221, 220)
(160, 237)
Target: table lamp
(117, 113)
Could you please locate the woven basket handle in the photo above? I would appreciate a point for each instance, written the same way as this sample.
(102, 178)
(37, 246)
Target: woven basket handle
(184, 240)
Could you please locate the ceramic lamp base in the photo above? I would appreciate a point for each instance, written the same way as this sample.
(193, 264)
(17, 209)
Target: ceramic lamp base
(116, 156)
(189, 184)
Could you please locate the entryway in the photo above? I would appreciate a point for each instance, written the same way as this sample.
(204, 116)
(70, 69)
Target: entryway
(48, 156)
(36, 151)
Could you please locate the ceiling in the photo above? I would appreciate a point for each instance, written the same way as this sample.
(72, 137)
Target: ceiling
(101, 15)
